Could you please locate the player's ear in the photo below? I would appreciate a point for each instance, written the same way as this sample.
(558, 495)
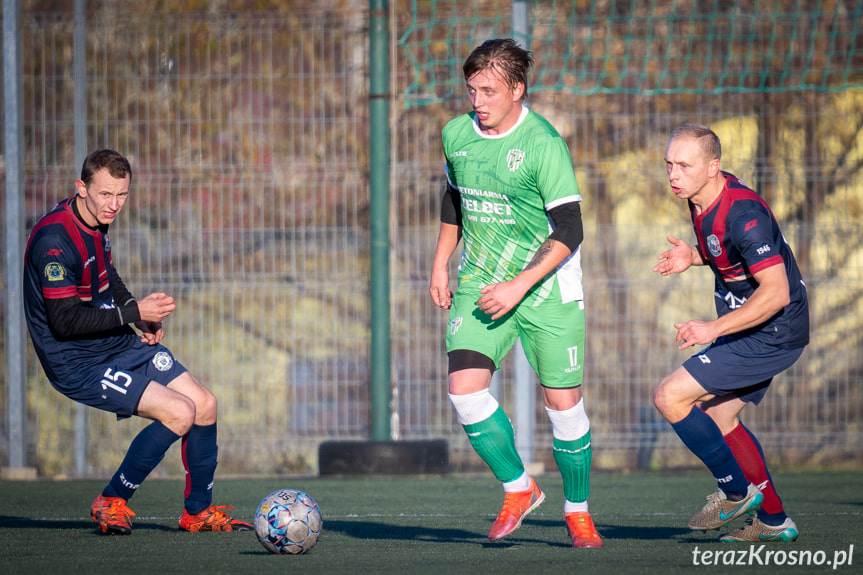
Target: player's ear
(518, 92)
(713, 167)
(82, 188)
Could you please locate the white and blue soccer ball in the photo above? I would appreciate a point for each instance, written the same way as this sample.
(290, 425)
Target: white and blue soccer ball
(288, 522)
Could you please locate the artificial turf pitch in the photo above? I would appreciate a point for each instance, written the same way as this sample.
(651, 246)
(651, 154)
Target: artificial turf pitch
(430, 524)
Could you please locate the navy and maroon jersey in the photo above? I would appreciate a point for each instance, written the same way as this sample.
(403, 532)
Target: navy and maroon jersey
(738, 236)
(65, 259)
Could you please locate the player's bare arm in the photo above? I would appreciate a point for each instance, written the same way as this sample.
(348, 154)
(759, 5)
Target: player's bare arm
(679, 258)
(448, 239)
(498, 299)
(768, 299)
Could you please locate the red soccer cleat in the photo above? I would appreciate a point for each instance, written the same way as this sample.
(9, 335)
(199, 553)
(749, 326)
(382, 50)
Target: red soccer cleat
(112, 515)
(580, 528)
(212, 519)
(516, 506)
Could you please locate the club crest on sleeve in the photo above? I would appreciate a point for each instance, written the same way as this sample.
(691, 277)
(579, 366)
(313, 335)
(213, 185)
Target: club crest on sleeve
(55, 272)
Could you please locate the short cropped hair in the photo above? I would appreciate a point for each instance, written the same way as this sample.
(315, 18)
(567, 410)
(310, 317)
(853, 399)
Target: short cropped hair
(117, 165)
(707, 139)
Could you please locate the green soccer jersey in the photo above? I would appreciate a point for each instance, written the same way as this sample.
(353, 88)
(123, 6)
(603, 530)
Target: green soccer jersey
(507, 183)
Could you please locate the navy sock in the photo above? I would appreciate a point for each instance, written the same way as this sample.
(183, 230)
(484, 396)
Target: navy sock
(772, 519)
(702, 436)
(144, 454)
(200, 454)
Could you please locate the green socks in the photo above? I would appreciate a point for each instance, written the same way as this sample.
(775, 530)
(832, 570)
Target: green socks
(573, 459)
(494, 441)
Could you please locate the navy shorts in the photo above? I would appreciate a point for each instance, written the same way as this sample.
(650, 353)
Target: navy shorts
(742, 367)
(116, 385)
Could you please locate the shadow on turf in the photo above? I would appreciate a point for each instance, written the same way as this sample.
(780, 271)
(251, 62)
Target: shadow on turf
(7, 522)
(607, 531)
(378, 530)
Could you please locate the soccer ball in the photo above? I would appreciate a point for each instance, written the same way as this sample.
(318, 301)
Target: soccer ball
(288, 522)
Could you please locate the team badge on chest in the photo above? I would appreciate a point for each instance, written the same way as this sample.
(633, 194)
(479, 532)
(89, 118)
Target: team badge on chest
(714, 246)
(514, 158)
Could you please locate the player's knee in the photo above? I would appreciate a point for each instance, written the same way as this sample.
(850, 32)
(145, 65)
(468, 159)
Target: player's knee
(469, 372)
(207, 409)
(661, 399)
(472, 408)
(180, 416)
(671, 403)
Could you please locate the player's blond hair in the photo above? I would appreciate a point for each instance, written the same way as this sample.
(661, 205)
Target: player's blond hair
(707, 139)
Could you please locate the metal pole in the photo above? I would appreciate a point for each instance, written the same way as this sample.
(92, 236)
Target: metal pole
(525, 389)
(379, 159)
(15, 330)
(520, 23)
(79, 64)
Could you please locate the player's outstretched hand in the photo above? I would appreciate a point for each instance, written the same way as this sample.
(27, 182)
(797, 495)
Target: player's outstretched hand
(676, 260)
(156, 307)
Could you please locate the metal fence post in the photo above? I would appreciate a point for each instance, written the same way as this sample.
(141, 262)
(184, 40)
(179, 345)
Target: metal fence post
(15, 380)
(79, 63)
(379, 102)
(525, 402)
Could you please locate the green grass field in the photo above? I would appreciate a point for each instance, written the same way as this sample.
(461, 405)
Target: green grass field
(434, 524)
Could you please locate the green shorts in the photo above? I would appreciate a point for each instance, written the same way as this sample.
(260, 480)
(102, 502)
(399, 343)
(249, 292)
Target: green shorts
(552, 335)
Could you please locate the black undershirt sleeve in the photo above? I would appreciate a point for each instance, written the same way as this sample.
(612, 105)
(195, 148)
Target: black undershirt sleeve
(568, 228)
(122, 296)
(70, 317)
(450, 206)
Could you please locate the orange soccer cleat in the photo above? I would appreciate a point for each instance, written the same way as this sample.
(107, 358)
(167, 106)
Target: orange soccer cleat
(580, 528)
(212, 519)
(516, 506)
(112, 515)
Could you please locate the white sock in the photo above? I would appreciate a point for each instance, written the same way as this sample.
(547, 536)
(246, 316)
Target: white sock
(569, 424)
(519, 484)
(570, 507)
(474, 407)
